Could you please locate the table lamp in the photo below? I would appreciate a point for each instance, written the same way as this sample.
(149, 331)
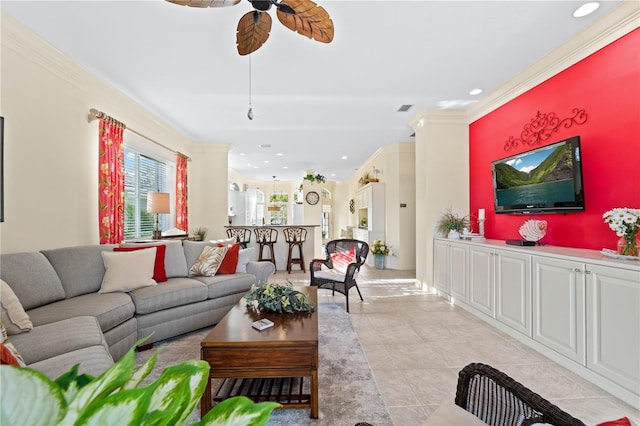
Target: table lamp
(158, 202)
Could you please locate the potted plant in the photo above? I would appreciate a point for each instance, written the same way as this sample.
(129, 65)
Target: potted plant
(380, 250)
(200, 233)
(117, 397)
(278, 298)
(451, 225)
(314, 178)
(364, 179)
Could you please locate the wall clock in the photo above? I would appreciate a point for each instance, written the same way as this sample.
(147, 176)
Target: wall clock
(312, 197)
(352, 206)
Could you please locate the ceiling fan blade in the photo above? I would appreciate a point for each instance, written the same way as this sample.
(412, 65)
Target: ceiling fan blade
(253, 31)
(309, 20)
(205, 3)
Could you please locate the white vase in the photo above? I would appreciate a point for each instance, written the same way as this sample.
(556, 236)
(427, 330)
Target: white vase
(453, 235)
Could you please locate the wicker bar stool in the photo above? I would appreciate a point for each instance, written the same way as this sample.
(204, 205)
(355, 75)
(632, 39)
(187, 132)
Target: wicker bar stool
(242, 235)
(295, 237)
(266, 237)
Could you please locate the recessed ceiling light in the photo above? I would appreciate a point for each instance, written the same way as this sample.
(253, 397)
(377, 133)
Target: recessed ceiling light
(279, 154)
(285, 167)
(344, 157)
(266, 161)
(586, 9)
(242, 153)
(475, 92)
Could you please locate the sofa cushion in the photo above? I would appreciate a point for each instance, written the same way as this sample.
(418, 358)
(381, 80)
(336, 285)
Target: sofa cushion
(159, 274)
(175, 264)
(209, 261)
(126, 271)
(111, 309)
(175, 292)
(32, 278)
(80, 268)
(57, 338)
(12, 314)
(93, 360)
(224, 285)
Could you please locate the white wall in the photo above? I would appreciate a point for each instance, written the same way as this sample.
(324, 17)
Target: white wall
(442, 178)
(51, 151)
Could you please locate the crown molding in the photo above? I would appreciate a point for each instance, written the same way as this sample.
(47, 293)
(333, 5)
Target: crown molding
(618, 22)
(439, 116)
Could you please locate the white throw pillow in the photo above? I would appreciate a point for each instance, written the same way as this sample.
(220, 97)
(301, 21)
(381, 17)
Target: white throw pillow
(244, 257)
(209, 261)
(225, 242)
(13, 316)
(128, 270)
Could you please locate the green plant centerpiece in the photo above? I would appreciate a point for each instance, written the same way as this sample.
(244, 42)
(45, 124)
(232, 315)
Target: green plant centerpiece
(450, 221)
(117, 397)
(278, 298)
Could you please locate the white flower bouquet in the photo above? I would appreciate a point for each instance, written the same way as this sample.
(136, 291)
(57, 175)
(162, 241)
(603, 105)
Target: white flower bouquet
(626, 223)
(380, 247)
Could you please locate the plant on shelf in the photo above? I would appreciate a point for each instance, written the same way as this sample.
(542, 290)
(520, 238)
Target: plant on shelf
(363, 222)
(379, 247)
(450, 221)
(315, 178)
(364, 179)
(626, 223)
(278, 298)
(117, 397)
(200, 233)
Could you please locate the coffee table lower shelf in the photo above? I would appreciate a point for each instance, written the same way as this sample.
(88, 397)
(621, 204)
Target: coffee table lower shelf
(290, 392)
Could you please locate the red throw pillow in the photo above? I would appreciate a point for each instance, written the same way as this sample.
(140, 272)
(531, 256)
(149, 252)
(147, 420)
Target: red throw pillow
(230, 261)
(342, 259)
(7, 356)
(620, 422)
(159, 274)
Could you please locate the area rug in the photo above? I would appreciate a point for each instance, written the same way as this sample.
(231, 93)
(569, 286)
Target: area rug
(347, 390)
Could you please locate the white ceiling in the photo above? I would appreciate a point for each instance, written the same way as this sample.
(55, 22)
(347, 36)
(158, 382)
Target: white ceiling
(313, 102)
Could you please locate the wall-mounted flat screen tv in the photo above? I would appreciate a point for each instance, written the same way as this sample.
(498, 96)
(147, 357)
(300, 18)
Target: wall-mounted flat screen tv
(542, 180)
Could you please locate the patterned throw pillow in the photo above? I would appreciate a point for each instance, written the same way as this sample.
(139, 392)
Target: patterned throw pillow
(12, 313)
(8, 353)
(209, 261)
(342, 259)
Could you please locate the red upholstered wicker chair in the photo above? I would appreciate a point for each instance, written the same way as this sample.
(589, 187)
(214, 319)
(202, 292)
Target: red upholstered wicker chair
(341, 266)
(498, 400)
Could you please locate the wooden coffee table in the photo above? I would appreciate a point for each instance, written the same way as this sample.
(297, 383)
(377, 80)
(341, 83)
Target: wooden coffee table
(268, 365)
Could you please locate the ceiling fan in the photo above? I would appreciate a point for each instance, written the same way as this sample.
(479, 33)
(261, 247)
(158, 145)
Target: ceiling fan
(302, 16)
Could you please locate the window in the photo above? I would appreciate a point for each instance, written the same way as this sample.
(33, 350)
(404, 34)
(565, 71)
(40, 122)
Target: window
(281, 200)
(144, 174)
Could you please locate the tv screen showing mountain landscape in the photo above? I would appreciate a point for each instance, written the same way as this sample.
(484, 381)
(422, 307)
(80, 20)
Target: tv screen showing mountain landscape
(540, 177)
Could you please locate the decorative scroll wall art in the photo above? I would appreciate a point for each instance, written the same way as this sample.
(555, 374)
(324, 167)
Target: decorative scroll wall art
(542, 126)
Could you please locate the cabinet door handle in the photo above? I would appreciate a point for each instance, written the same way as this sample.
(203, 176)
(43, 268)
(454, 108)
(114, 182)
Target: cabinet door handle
(578, 270)
(587, 272)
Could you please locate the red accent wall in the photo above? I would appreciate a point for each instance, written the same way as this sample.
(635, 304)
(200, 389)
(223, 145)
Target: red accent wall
(607, 86)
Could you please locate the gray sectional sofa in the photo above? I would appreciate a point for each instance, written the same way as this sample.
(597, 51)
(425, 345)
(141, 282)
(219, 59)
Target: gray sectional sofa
(74, 323)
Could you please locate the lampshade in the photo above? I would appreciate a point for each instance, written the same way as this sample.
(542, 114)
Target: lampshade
(158, 202)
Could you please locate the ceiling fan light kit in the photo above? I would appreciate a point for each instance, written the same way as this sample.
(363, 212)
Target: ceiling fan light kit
(302, 16)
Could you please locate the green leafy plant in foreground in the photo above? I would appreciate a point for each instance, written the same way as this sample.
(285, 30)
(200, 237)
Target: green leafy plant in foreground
(116, 397)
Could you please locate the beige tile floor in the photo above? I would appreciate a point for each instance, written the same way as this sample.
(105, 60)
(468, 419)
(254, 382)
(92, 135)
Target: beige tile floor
(417, 342)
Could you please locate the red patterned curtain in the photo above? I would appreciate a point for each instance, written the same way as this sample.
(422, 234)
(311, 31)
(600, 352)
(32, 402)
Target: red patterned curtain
(182, 220)
(111, 181)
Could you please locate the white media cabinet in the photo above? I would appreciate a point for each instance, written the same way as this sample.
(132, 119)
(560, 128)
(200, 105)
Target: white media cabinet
(575, 306)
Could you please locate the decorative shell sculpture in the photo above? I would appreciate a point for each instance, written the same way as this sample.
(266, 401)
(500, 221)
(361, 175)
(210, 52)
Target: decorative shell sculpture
(533, 230)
